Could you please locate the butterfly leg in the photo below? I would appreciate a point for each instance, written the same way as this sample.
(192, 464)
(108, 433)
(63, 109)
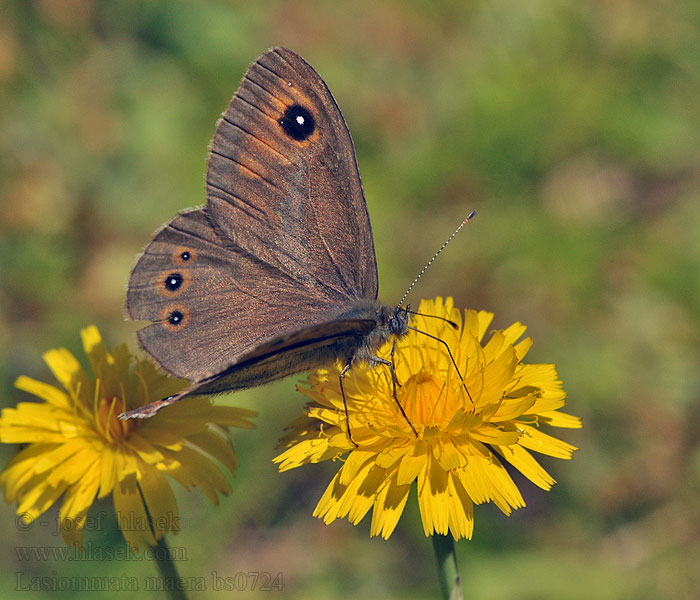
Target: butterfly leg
(394, 379)
(342, 375)
(395, 384)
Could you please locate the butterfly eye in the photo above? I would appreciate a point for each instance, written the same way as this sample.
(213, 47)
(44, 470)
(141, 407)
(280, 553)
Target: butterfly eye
(173, 281)
(297, 122)
(398, 324)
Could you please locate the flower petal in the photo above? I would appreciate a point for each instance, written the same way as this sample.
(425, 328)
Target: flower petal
(160, 500)
(412, 463)
(388, 506)
(433, 498)
(461, 517)
(43, 390)
(76, 503)
(534, 439)
(522, 460)
(131, 514)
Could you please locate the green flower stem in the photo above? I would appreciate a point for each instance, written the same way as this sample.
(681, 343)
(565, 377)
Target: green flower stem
(450, 582)
(172, 583)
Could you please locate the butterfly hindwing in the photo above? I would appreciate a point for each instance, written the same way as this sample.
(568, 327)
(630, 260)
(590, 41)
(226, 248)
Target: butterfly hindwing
(200, 295)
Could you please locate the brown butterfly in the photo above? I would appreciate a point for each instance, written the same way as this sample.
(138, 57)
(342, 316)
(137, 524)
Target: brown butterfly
(277, 273)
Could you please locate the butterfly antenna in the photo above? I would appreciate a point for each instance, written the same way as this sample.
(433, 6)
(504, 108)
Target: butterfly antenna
(470, 216)
(448, 321)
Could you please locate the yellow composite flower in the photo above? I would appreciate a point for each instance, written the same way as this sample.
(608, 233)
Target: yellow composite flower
(463, 438)
(78, 449)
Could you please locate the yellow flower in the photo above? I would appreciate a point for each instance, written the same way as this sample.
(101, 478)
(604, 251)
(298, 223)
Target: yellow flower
(78, 449)
(463, 438)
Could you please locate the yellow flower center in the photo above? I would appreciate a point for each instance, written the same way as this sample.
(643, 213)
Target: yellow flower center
(108, 424)
(429, 401)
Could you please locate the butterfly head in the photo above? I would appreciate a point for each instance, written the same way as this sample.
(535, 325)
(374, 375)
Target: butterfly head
(398, 322)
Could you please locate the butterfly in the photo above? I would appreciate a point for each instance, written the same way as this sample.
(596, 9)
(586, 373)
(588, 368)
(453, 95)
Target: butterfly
(277, 274)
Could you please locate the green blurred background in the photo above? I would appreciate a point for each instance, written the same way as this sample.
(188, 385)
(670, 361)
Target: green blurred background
(573, 128)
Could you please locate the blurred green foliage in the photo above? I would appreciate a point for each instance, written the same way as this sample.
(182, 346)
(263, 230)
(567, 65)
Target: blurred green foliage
(572, 127)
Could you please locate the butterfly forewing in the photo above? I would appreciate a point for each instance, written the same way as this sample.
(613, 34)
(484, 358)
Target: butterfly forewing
(283, 183)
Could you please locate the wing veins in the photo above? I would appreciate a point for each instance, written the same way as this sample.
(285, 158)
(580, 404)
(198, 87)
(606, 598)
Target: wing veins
(300, 265)
(262, 87)
(237, 126)
(193, 235)
(275, 73)
(256, 107)
(243, 203)
(247, 168)
(332, 258)
(232, 246)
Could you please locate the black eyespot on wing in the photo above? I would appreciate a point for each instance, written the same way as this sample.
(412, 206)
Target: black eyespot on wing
(173, 281)
(183, 254)
(297, 122)
(176, 317)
